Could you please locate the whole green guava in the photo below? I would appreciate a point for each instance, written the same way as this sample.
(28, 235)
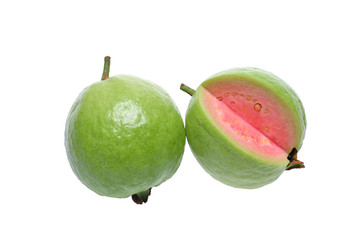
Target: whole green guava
(123, 136)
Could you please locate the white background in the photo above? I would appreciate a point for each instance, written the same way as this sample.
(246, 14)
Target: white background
(51, 50)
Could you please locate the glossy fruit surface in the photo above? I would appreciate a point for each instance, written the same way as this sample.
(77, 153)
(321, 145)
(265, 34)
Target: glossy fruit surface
(124, 136)
(245, 126)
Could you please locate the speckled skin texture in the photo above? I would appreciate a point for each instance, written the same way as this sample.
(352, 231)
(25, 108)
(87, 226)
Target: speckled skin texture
(219, 155)
(124, 135)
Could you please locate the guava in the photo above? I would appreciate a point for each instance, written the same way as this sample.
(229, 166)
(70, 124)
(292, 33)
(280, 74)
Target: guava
(245, 127)
(123, 136)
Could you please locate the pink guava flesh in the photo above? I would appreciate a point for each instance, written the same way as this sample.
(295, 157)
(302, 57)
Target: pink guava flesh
(253, 117)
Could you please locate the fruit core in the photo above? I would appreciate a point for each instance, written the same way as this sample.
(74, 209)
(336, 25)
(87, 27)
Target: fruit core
(253, 116)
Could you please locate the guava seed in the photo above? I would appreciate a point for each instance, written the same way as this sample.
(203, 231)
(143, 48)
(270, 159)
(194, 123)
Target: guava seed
(257, 107)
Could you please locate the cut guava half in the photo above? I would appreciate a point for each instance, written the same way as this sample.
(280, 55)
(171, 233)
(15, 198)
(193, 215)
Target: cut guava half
(245, 126)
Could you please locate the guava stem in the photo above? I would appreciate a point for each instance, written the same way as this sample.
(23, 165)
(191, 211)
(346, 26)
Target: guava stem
(294, 162)
(187, 89)
(141, 197)
(106, 68)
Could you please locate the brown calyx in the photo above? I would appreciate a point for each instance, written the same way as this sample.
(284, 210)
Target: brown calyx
(294, 162)
(141, 197)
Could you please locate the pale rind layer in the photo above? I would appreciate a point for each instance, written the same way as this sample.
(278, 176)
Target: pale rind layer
(124, 135)
(219, 154)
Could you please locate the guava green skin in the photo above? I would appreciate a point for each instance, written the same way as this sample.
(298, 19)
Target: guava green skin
(123, 136)
(221, 156)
